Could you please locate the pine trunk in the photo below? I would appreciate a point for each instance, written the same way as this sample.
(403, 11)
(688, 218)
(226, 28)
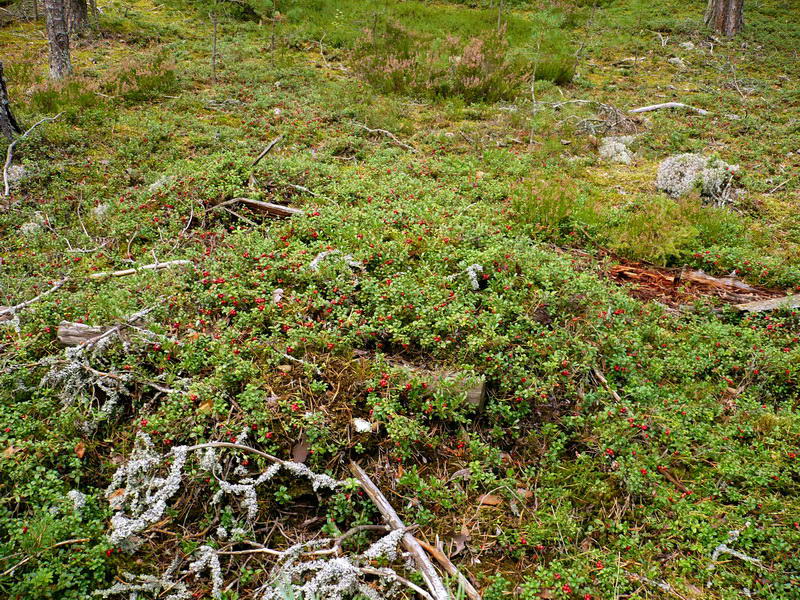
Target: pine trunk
(8, 125)
(77, 15)
(725, 16)
(58, 36)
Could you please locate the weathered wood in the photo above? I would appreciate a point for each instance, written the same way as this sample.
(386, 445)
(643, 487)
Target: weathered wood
(426, 568)
(275, 210)
(153, 267)
(7, 312)
(452, 570)
(8, 124)
(787, 302)
(58, 37)
(267, 150)
(652, 107)
(75, 334)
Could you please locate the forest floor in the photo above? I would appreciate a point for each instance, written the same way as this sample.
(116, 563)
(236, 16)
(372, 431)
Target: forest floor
(457, 231)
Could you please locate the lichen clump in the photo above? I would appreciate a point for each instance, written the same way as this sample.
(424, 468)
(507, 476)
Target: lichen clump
(679, 175)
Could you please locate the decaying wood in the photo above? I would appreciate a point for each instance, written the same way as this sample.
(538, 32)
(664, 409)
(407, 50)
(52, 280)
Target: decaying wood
(7, 312)
(10, 152)
(451, 569)
(787, 302)
(426, 568)
(275, 210)
(706, 279)
(153, 267)
(267, 150)
(653, 107)
(75, 334)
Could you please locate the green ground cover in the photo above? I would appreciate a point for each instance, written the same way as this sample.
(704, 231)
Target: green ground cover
(561, 486)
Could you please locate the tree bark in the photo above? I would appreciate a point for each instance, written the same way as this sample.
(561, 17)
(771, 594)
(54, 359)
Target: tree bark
(8, 125)
(725, 16)
(58, 36)
(77, 15)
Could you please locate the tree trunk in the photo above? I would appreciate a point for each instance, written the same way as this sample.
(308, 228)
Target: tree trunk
(77, 15)
(725, 16)
(58, 36)
(8, 125)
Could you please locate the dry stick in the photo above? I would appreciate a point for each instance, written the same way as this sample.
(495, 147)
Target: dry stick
(152, 267)
(394, 576)
(27, 558)
(10, 152)
(276, 210)
(21, 305)
(604, 383)
(451, 569)
(426, 568)
(267, 150)
(653, 107)
(388, 134)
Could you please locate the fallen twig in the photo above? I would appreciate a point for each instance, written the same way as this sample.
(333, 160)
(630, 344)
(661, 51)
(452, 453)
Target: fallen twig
(653, 107)
(388, 134)
(10, 152)
(267, 150)
(152, 267)
(11, 310)
(394, 576)
(275, 210)
(451, 570)
(426, 568)
(604, 382)
(27, 558)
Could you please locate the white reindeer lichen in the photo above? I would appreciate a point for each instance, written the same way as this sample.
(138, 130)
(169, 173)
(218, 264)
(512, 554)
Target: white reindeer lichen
(208, 559)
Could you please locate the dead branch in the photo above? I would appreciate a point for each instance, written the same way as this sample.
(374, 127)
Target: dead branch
(152, 267)
(394, 576)
(653, 107)
(604, 382)
(426, 568)
(388, 134)
(275, 210)
(773, 304)
(451, 570)
(267, 150)
(27, 558)
(10, 152)
(11, 310)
